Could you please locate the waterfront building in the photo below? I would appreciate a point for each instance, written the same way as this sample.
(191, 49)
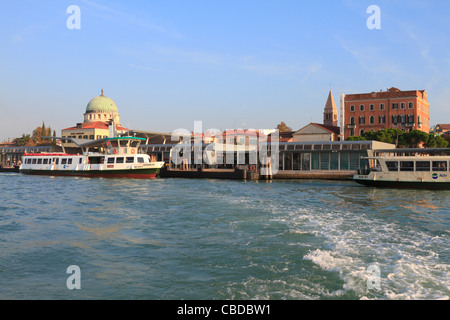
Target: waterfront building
(10, 155)
(405, 110)
(324, 160)
(296, 160)
(100, 112)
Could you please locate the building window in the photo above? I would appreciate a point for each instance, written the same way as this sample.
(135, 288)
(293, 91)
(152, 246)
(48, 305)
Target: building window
(402, 105)
(394, 119)
(372, 107)
(382, 119)
(352, 120)
(361, 107)
(395, 106)
(381, 106)
(362, 120)
(352, 108)
(372, 120)
(410, 118)
(402, 119)
(361, 132)
(410, 105)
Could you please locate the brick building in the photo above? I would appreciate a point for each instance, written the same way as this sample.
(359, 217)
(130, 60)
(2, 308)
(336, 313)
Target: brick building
(404, 110)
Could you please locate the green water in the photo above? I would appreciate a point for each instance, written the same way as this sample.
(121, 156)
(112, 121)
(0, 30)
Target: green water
(219, 239)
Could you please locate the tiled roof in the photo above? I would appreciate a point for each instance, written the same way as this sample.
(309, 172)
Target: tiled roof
(95, 125)
(332, 129)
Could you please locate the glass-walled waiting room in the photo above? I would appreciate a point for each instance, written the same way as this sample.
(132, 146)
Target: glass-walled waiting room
(308, 156)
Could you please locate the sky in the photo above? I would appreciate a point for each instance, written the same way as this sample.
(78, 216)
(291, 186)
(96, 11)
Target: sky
(230, 64)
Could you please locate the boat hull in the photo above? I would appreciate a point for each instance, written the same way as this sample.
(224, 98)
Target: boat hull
(404, 184)
(131, 173)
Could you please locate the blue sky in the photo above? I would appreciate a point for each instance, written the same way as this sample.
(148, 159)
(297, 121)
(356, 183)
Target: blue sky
(243, 64)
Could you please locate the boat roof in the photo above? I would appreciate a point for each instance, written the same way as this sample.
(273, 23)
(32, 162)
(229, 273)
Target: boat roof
(415, 150)
(125, 138)
(103, 142)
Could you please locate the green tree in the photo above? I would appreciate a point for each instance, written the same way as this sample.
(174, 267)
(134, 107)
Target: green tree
(413, 138)
(22, 141)
(435, 141)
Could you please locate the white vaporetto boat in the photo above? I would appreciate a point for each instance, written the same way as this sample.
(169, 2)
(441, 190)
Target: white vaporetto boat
(119, 159)
(407, 168)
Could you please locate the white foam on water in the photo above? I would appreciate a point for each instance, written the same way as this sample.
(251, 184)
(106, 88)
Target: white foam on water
(410, 268)
(346, 243)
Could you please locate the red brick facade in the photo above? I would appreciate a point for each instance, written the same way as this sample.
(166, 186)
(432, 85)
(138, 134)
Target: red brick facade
(404, 110)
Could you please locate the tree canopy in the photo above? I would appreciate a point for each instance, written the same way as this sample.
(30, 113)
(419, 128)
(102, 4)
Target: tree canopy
(411, 139)
(36, 138)
(282, 127)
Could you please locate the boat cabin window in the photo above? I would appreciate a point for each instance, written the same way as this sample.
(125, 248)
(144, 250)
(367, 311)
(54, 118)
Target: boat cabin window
(96, 160)
(57, 161)
(63, 161)
(140, 160)
(39, 161)
(406, 165)
(130, 159)
(111, 160)
(392, 165)
(34, 161)
(439, 165)
(423, 166)
(80, 160)
(45, 161)
(119, 160)
(69, 161)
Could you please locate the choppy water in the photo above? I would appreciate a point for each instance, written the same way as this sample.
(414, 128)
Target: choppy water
(218, 239)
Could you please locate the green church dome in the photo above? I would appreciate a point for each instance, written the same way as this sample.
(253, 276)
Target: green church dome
(101, 104)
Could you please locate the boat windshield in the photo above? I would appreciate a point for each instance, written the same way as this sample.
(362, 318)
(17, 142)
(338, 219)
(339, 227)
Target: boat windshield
(374, 165)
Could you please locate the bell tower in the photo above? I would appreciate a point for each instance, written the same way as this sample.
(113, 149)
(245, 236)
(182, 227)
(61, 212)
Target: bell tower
(330, 115)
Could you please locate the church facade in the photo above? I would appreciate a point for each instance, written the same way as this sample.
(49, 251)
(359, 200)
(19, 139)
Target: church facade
(326, 131)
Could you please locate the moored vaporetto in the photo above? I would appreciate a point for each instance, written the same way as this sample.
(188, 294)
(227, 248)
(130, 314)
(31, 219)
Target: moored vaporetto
(118, 158)
(407, 168)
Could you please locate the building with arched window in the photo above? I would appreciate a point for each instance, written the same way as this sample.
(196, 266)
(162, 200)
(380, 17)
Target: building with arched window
(404, 110)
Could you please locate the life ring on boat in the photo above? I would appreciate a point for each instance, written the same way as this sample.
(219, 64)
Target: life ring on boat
(114, 151)
(133, 151)
(252, 168)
